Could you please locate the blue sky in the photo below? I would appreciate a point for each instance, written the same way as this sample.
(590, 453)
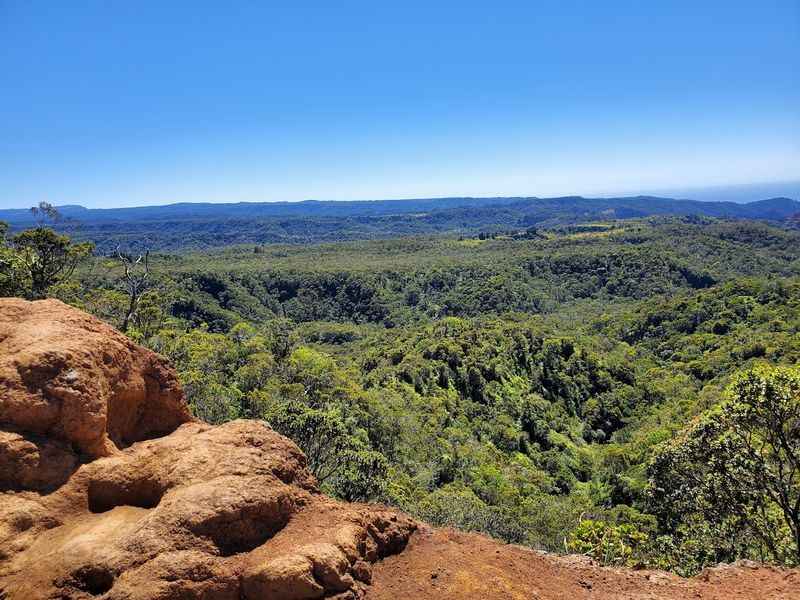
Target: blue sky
(111, 103)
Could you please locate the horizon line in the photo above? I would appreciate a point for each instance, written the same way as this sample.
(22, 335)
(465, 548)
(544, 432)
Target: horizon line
(599, 195)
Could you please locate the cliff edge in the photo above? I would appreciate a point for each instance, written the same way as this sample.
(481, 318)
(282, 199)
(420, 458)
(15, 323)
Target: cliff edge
(109, 489)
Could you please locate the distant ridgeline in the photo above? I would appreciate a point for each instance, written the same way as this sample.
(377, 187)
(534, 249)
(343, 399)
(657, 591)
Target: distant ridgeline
(204, 225)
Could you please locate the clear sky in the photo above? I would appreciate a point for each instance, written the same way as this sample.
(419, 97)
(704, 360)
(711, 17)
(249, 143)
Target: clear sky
(115, 103)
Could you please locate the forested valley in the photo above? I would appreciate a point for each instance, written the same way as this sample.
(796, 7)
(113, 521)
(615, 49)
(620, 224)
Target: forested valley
(627, 389)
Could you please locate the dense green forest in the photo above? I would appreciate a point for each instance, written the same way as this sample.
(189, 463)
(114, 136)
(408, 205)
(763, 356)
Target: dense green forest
(185, 226)
(627, 389)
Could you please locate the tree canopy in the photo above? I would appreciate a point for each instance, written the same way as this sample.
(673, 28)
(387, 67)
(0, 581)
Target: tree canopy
(612, 388)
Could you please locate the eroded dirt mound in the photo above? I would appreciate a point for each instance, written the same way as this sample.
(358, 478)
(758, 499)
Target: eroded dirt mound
(94, 504)
(206, 512)
(71, 385)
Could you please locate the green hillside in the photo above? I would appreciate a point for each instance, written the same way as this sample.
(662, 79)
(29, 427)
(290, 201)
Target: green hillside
(556, 388)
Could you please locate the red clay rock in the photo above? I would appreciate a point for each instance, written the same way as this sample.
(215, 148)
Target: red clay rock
(33, 464)
(228, 512)
(72, 378)
(233, 505)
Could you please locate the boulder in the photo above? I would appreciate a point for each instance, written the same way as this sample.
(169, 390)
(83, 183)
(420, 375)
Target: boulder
(108, 488)
(70, 378)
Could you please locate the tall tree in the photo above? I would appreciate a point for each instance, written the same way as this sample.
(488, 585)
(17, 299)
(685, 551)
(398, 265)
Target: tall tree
(44, 257)
(737, 470)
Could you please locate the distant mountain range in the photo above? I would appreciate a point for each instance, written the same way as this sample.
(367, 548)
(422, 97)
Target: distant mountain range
(203, 225)
(742, 192)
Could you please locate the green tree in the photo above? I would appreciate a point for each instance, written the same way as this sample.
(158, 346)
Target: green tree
(9, 266)
(316, 404)
(338, 453)
(733, 477)
(42, 257)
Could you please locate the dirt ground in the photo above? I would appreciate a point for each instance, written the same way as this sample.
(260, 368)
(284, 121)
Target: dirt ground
(445, 564)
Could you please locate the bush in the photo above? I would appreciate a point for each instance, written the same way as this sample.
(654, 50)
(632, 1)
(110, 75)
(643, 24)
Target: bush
(607, 543)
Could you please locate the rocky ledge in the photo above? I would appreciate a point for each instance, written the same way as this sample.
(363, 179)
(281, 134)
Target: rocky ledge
(109, 489)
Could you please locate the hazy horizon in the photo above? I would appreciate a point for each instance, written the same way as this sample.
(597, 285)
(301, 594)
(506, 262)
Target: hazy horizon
(740, 193)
